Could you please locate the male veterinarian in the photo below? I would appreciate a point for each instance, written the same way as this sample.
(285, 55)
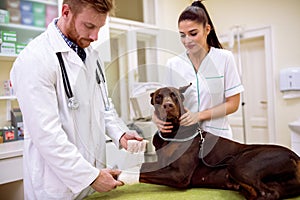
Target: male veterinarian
(60, 85)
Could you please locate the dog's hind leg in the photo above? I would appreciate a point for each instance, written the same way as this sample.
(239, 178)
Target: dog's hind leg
(258, 171)
(288, 183)
(249, 172)
(252, 186)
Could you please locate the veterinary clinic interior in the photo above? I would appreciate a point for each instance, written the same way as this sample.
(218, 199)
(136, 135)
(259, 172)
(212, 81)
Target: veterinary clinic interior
(136, 43)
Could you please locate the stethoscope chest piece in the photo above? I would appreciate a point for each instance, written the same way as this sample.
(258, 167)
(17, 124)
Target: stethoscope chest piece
(73, 104)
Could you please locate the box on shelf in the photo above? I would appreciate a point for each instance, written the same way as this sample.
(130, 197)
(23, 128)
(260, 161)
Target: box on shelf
(16, 117)
(39, 20)
(17, 123)
(26, 6)
(8, 42)
(39, 8)
(51, 13)
(9, 134)
(8, 36)
(39, 13)
(20, 133)
(8, 48)
(13, 4)
(4, 16)
(27, 18)
(8, 90)
(19, 47)
(14, 15)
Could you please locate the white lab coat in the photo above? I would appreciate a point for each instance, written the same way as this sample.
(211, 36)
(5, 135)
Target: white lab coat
(63, 148)
(216, 79)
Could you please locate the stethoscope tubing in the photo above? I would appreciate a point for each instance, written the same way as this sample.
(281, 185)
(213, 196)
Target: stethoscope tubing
(66, 81)
(72, 102)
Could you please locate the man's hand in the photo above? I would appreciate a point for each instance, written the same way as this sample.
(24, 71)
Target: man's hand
(130, 135)
(106, 180)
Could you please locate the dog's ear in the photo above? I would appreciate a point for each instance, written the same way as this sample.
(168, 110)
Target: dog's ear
(184, 88)
(152, 101)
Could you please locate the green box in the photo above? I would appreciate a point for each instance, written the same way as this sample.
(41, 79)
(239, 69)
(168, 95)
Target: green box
(4, 16)
(8, 36)
(39, 9)
(39, 14)
(39, 20)
(20, 47)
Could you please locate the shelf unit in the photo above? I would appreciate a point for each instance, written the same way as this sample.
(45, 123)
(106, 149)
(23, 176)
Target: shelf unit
(8, 99)
(11, 152)
(24, 34)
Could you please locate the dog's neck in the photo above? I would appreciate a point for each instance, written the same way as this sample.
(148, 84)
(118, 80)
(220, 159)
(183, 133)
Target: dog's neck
(180, 131)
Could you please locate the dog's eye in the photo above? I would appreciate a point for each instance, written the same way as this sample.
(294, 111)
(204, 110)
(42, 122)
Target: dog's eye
(158, 99)
(174, 97)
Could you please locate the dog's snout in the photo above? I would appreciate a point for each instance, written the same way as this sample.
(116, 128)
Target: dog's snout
(168, 106)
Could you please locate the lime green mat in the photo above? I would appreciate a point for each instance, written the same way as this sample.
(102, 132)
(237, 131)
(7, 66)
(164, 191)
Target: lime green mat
(159, 192)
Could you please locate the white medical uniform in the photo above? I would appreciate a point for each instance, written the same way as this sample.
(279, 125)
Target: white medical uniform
(216, 79)
(63, 148)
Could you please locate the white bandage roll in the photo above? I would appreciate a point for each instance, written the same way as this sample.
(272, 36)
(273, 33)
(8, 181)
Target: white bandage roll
(135, 146)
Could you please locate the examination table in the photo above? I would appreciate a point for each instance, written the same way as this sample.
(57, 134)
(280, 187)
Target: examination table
(144, 191)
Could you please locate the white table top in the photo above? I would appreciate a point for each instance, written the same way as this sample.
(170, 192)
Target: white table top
(11, 149)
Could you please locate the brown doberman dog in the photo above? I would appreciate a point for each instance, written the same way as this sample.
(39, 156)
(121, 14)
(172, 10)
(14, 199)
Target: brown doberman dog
(190, 157)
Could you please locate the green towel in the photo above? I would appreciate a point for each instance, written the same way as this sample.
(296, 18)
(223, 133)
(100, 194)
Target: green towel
(144, 191)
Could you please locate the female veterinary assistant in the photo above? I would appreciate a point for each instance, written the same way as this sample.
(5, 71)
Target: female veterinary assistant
(64, 146)
(216, 86)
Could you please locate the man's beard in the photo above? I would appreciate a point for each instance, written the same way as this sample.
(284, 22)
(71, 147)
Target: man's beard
(75, 37)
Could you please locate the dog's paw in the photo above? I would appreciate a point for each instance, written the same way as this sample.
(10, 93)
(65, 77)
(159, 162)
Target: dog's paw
(130, 176)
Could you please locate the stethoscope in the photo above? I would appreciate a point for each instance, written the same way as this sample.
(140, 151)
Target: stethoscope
(73, 103)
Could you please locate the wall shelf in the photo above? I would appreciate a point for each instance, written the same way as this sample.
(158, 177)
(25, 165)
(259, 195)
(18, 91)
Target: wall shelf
(22, 27)
(8, 97)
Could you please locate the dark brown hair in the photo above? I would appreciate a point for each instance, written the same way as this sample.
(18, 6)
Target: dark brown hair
(102, 6)
(198, 13)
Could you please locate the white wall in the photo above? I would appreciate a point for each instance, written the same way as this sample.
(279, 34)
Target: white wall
(169, 43)
(283, 17)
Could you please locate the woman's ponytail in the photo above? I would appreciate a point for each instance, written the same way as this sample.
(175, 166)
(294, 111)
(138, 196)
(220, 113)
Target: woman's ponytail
(190, 13)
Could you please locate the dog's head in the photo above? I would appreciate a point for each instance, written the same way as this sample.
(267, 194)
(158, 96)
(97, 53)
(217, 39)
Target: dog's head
(168, 103)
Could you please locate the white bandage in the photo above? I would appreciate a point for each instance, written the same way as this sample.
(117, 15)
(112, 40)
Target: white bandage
(130, 176)
(135, 146)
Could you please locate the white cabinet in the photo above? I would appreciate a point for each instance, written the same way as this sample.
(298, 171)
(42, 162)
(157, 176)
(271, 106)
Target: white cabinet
(11, 162)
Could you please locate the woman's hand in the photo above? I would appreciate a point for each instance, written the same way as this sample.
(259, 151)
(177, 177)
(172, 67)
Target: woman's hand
(189, 118)
(163, 127)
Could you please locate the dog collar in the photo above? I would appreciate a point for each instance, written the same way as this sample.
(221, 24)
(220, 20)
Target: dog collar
(198, 132)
